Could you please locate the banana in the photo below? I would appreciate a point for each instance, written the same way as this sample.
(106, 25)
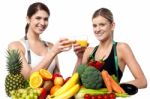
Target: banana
(69, 93)
(70, 83)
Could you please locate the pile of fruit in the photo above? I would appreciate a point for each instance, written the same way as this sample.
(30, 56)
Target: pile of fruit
(86, 83)
(28, 93)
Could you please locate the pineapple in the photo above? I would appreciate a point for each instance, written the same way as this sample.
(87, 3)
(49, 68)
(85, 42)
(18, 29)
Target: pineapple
(14, 80)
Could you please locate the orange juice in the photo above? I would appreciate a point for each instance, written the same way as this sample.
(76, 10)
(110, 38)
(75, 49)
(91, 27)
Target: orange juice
(82, 43)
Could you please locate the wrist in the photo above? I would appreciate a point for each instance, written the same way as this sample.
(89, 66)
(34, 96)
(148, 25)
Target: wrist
(54, 51)
(79, 59)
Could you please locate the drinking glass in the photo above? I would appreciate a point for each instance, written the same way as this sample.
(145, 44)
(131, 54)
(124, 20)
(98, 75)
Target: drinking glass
(82, 40)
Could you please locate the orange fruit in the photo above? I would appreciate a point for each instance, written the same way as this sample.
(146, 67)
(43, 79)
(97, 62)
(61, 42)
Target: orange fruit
(58, 81)
(36, 81)
(46, 75)
(54, 89)
(34, 74)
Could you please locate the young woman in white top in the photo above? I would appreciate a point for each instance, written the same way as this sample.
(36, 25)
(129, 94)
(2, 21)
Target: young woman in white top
(36, 53)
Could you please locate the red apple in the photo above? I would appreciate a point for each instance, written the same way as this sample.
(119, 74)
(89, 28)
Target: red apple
(56, 75)
(43, 94)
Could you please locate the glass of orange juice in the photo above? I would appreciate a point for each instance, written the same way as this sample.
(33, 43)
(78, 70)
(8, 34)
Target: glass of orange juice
(82, 40)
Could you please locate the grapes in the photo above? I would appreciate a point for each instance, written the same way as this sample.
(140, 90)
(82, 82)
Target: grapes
(28, 93)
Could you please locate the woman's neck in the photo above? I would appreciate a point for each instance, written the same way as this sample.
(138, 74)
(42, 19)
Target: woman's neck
(33, 37)
(104, 49)
(105, 44)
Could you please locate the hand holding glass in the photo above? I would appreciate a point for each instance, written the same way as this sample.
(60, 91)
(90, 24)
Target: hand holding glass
(82, 40)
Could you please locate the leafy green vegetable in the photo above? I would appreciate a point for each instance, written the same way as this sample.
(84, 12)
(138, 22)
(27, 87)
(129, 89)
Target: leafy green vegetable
(90, 77)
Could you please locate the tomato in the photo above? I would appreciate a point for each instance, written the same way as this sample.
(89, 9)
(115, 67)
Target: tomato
(112, 96)
(93, 97)
(87, 96)
(100, 97)
(105, 96)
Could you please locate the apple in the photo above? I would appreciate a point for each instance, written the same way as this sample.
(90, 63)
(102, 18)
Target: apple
(56, 75)
(58, 81)
(43, 94)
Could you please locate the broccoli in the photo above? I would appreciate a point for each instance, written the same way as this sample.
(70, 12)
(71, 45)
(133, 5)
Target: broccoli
(90, 77)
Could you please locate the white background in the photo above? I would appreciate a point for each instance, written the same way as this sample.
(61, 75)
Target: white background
(73, 17)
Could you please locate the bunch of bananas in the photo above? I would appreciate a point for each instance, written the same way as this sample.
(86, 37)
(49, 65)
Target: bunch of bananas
(69, 89)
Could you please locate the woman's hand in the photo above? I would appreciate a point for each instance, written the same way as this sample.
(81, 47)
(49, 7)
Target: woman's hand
(79, 50)
(62, 45)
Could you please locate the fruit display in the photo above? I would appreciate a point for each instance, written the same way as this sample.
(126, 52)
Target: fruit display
(36, 81)
(46, 75)
(56, 75)
(54, 89)
(86, 83)
(14, 80)
(28, 93)
(58, 81)
(70, 83)
(40, 78)
(48, 85)
(68, 90)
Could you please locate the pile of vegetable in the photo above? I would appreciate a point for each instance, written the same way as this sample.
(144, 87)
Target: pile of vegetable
(93, 81)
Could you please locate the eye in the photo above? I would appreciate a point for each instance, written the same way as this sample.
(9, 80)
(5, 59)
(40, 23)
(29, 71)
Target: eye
(94, 25)
(101, 24)
(38, 18)
(46, 19)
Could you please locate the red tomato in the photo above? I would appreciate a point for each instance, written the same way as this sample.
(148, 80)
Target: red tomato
(112, 96)
(87, 96)
(93, 97)
(100, 97)
(105, 96)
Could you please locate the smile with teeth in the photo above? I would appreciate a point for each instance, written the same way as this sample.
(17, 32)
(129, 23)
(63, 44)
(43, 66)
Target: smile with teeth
(41, 28)
(99, 34)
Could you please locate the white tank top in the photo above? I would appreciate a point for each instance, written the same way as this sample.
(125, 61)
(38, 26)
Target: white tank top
(35, 59)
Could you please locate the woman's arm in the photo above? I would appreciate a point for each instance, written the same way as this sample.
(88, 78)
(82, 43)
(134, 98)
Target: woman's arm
(57, 68)
(27, 70)
(82, 56)
(130, 60)
(18, 46)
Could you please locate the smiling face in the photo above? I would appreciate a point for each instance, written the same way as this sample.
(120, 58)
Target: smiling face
(102, 28)
(103, 24)
(38, 22)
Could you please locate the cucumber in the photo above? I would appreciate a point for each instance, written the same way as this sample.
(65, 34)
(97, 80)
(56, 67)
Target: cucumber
(123, 95)
(83, 91)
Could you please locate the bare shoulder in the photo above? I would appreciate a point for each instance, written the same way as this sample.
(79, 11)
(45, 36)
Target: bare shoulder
(121, 46)
(123, 49)
(16, 45)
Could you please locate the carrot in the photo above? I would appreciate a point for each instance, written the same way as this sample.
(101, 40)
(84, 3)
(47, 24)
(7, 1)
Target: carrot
(107, 81)
(115, 86)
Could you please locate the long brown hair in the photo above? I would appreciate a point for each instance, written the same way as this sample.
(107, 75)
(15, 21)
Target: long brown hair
(33, 8)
